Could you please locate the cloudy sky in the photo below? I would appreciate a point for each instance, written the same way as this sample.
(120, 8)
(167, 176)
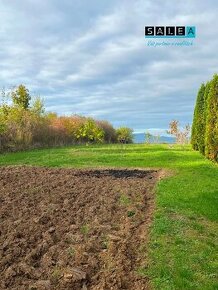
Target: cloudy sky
(90, 57)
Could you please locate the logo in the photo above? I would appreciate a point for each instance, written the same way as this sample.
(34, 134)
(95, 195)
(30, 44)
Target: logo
(170, 32)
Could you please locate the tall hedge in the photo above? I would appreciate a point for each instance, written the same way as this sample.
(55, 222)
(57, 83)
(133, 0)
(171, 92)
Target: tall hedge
(205, 121)
(206, 93)
(198, 125)
(211, 135)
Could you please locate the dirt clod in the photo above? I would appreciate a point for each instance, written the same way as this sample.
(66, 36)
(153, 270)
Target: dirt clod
(64, 229)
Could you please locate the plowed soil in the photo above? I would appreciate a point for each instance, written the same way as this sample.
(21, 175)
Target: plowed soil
(74, 229)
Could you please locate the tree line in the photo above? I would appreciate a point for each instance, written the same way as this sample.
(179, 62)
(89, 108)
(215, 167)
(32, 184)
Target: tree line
(204, 136)
(25, 124)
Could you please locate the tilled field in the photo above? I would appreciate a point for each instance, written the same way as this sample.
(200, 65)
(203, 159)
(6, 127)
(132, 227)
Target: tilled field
(74, 229)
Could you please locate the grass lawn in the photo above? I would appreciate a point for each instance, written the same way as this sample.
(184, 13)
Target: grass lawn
(183, 248)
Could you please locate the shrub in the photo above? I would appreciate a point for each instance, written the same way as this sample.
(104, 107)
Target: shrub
(109, 131)
(124, 135)
(90, 132)
(25, 124)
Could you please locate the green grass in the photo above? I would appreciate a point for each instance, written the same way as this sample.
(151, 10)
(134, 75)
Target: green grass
(183, 243)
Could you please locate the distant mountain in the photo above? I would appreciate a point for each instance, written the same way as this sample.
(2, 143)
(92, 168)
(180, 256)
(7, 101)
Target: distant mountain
(140, 138)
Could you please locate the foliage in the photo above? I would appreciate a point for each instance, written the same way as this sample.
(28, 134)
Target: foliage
(205, 121)
(198, 126)
(21, 97)
(25, 124)
(90, 132)
(124, 135)
(182, 135)
(2, 123)
(211, 137)
(109, 131)
(3, 129)
(38, 106)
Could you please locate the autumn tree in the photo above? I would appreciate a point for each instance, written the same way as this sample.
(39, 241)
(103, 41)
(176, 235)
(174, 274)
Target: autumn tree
(25, 124)
(181, 135)
(109, 131)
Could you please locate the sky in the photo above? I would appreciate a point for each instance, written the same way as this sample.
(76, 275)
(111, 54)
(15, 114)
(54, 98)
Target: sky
(91, 58)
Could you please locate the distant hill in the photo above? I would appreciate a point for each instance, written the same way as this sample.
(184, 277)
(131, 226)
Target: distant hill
(140, 138)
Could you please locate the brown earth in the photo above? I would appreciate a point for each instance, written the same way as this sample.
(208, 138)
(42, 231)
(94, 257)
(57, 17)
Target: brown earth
(74, 229)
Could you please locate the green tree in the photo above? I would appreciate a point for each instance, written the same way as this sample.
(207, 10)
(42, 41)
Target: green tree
(21, 97)
(198, 126)
(206, 93)
(38, 106)
(90, 132)
(124, 135)
(148, 137)
(211, 136)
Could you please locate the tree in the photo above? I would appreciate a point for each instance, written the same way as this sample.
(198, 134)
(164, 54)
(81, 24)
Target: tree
(109, 131)
(148, 137)
(182, 135)
(21, 97)
(3, 127)
(38, 106)
(124, 135)
(90, 132)
(198, 126)
(211, 136)
(206, 93)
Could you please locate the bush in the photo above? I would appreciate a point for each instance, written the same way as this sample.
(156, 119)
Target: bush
(25, 124)
(89, 132)
(124, 135)
(109, 131)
